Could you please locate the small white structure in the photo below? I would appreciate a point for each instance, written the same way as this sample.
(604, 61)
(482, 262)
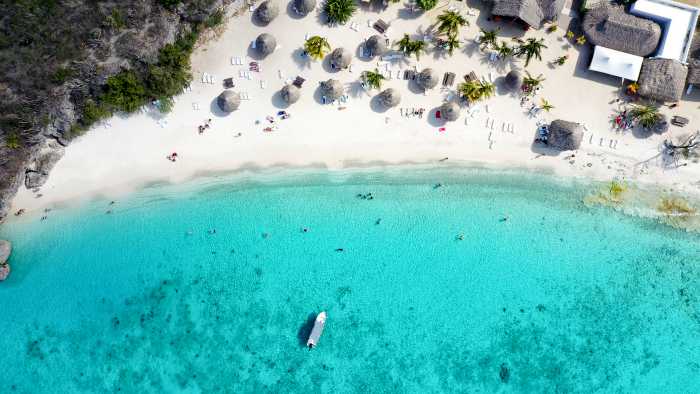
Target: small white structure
(678, 22)
(316, 332)
(619, 64)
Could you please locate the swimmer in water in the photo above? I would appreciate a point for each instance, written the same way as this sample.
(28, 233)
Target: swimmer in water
(305, 230)
(460, 237)
(378, 221)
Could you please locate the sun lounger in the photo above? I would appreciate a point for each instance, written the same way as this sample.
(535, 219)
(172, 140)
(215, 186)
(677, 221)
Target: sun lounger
(204, 78)
(470, 77)
(448, 79)
(381, 26)
(263, 84)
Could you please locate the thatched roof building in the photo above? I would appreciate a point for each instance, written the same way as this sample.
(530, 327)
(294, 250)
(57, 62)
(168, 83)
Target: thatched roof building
(376, 45)
(265, 44)
(427, 79)
(303, 7)
(514, 80)
(332, 89)
(532, 12)
(611, 27)
(290, 94)
(390, 98)
(564, 135)
(340, 58)
(228, 101)
(449, 111)
(693, 71)
(662, 79)
(266, 12)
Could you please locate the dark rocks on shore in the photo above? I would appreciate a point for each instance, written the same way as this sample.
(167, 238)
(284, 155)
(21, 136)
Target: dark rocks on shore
(38, 171)
(5, 250)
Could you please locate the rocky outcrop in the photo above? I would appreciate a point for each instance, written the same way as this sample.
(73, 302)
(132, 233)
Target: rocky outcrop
(38, 171)
(5, 250)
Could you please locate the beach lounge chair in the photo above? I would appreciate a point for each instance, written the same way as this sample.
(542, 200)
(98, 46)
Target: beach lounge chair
(679, 121)
(448, 79)
(298, 82)
(470, 77)
(381, 26)
(438, 115)
(409, 75)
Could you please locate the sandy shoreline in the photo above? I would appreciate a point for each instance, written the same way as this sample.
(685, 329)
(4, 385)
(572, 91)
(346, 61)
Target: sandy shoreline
(126, 153)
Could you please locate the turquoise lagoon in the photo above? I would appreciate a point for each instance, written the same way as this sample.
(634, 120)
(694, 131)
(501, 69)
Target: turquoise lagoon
(558, 298)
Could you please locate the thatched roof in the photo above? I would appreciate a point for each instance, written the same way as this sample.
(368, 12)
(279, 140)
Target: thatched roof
(376, 45)
(564, 135)
(303, 7)
(532, 12)
(427, 79)
(662, 79)
(332, 89)
(290, 94)
(611, 27)
(265, 44)
(266, 12)
(340, 58)
(450, 111)
(390, 97)
(514, 80)
(693, 71)
(228, 101)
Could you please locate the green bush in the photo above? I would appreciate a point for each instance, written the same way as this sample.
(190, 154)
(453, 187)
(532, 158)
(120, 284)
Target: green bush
(339, 11)
(125, 92)
(170, 4)
(12, 141)
(215, 19)
(93, 112)
(426, 5)
(116, 19)
(61, 75)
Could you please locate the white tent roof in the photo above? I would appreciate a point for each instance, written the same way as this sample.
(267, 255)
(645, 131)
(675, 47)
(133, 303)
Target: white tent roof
(678, 21)
(619, 64)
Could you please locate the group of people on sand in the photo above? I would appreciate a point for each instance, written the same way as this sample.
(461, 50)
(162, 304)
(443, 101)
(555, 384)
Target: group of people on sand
(201, 128)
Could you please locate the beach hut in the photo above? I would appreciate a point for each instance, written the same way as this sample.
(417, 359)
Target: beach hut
(266, 12)
(303, 7)
(693, 71)
(449, 111)
(390, 97)
(290, 94)
(332, 89)
(427, 79)
(514, 80)
(340, 58)
(662, 79)
(228, 101)
(564, 135)
(265, 44)
(611, 27)
(376, 45)
(532, 12)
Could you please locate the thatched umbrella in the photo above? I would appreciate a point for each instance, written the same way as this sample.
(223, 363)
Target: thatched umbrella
(662, 125)
(265, 44)
(514, 80)
(376, 45)
(529, 11)
(266, 12)
(564, 135)
(612, 27)
(390, 97)
(662, 79)
(303, 7)
(290, 94)
(427, 79)
(340, 58)
(450, 111)
(228, 101)
(332, 89)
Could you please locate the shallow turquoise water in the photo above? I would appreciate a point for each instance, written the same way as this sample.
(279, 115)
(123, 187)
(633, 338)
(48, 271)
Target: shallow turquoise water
(558, 298)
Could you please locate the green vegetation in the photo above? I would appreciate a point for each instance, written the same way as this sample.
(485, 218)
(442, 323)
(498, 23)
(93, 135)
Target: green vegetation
(488, 38)
(545, 105)
(552, 28)
(504, 50)
(449, 23)
(426, 5)
(116, 19)
(476, 90)
(530, 83)
(12, 141)
(561, 60)
(373, 79)
(410, 47)
(531, 48)
(61, 75)
(580, 40)
(675, 206)
(317, 47)
(215, 19)
(339, 11)
(452, 43)
(645, 115)
(616, 190)
(169, 4)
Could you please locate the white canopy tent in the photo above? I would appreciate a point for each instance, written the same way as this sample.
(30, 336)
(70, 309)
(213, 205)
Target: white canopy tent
(678, 22)
(619, 64)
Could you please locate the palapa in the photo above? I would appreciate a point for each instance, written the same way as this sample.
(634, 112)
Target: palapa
(340, 58)
(449, 111)
(514, 80)
(427, 79)
(532, 12)
(266, 12)
(662, 79)
(228, 101)
(303, 7)
(290, 94)
(332, 89)
(390, 97)
(265, 44)
(565, 135)
(376, 45)
(611, 27)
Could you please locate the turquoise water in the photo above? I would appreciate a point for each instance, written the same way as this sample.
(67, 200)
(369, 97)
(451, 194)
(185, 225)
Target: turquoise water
(558, 298)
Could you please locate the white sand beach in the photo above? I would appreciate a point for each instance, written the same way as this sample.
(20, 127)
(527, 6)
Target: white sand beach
(125, 153)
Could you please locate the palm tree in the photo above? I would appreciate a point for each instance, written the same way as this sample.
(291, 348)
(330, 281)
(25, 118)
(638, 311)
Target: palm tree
(449, 22)
(339, 11)
(475, 90)
(532, 47)
(580, 40)
(373, 79)
(531, 83)
(488, 38)
(646, 116)
(451, 43)
(409, 47)
(545, 105)
(570, 35)
(317, 47)
(504, 50)
(426, 5)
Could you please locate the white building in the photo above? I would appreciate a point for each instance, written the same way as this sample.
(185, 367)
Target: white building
(678, 22)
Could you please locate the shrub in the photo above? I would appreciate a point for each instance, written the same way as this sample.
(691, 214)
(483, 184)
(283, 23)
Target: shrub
(61, 75)
(339, 11)
(12, 141)
(426, 5)
(116, 19)
(215, 19)
(93, 112)
(170, 4)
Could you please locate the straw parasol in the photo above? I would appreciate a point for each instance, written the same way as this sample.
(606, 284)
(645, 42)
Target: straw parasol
(266, 12)
(290, 94)
(332, 89)
(303, 7)
(228, 101)
(514, 80)
(427, 79)
(376, 45)
(450, 111)
(564, 135)
(265, 44)
(662, 79)
(340, 58)
(611, 27)
(390, 97)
